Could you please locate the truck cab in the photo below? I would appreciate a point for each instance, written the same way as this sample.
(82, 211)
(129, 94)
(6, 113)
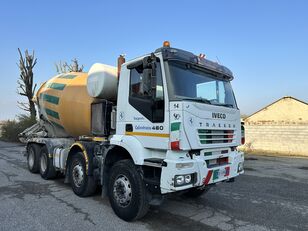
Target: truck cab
(179, 112)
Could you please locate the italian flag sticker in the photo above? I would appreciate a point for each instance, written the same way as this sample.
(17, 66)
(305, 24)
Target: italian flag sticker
(216, 174)
(175, 135)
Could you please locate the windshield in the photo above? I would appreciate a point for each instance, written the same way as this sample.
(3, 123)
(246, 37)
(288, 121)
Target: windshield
(188, 82)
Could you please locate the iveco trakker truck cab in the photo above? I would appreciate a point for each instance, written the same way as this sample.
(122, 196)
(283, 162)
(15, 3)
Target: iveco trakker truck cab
(167, 122)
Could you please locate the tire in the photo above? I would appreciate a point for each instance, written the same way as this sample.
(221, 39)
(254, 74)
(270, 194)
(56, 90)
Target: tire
(127, 193)
(47, 169)
(82, 184)
(197, 192)
(33, 157)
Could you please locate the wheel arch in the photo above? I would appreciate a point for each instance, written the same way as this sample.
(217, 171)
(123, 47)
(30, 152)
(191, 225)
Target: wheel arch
(116, 153)
(112, 155)
(133, 146)
(75, 148)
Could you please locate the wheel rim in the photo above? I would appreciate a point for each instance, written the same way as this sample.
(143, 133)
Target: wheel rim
(78, 175)
(31, 158)
(43, 161)
(122, 191)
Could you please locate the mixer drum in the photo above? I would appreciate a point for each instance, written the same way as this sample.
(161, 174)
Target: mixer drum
(65, 103)
(65, 100)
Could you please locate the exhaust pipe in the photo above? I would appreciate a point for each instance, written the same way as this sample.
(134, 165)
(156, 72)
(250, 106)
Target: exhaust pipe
(121, 60)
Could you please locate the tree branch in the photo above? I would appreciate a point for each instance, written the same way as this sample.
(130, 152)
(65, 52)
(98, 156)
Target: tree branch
(25, 81)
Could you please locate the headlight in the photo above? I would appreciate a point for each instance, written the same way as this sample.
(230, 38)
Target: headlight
(187, 179)
(180, 180)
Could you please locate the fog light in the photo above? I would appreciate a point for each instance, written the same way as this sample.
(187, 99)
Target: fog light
(179, 180)
(187, 179)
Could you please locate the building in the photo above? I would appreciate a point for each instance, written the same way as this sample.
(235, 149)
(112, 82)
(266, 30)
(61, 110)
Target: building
(281, 127)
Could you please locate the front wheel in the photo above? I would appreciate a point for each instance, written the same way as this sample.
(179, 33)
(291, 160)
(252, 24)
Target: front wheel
(82, 184)
(127, 193)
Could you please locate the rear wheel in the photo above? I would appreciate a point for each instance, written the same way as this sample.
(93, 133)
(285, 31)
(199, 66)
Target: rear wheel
(197, 192)
(47, 169)
(82, 184)
(127, 192)
(33, 156)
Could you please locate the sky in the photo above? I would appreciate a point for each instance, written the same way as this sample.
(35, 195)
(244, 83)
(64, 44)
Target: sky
(264, 42)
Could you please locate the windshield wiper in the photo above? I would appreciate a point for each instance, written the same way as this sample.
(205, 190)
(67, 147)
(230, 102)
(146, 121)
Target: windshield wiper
(197, 99)
(224, 104)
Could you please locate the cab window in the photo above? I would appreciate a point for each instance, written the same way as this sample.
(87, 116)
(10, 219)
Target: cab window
(143, 97)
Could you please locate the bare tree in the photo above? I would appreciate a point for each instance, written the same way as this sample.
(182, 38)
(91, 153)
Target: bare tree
(25, 81)
(65, 67)
(61, 67)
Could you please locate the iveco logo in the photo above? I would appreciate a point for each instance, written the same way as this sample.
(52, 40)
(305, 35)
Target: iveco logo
(218, 115)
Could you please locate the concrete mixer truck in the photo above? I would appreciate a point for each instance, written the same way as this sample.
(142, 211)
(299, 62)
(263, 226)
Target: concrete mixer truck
(163, 123)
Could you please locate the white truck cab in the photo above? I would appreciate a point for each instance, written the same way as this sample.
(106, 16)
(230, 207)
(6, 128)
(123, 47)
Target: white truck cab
(187, 123)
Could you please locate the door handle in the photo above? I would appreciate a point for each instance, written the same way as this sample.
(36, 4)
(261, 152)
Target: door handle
(128, 127)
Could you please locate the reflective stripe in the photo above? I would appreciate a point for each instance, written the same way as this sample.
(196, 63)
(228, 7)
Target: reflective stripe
(50, 98)
(52, 113)
(67, 76)
(56, 86)
(147, 134)
(207, 179)
(215, 174)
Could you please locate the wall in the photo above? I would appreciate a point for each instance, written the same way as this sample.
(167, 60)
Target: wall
(281, 127)
(282, 138)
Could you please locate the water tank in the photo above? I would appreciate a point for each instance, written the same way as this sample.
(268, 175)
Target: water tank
(102, 82)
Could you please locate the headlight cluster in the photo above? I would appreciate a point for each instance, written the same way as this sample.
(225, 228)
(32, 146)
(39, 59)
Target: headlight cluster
(240, 167)
(180, 180)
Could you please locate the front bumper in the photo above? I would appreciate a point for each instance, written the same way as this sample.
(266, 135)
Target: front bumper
(203, 173)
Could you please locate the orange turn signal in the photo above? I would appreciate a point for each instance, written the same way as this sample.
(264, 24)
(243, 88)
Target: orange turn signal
(166, 44)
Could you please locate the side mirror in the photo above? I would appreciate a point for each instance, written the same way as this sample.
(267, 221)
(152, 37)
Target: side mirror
(149, 82)
(153, 79)
(146, 62)
(146, 82)
(149, 74)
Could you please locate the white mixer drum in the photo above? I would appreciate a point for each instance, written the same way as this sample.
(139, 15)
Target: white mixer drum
(102, 82)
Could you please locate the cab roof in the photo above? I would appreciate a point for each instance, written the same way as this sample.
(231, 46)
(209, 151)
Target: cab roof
(170, 53)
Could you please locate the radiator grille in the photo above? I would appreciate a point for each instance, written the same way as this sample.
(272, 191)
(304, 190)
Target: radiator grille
(212, 136)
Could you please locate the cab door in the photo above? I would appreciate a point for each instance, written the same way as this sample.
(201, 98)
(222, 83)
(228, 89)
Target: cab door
(147, 115)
